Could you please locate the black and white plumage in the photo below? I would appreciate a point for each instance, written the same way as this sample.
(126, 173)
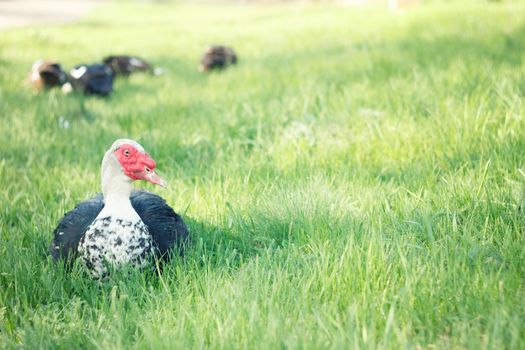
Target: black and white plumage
(115, 241)
(120, 227)
(94, 79)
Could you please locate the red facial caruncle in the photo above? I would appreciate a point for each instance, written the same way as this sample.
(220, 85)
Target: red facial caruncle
(138, 165)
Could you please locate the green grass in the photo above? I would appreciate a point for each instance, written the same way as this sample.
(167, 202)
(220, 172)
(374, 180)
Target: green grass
(357, 181)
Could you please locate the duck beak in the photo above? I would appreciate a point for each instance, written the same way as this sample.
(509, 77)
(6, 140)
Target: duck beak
(155, 179)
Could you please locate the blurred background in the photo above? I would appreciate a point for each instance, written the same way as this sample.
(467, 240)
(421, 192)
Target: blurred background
(15, 13)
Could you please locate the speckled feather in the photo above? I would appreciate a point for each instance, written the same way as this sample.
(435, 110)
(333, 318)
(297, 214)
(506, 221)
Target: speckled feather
(168, 231)
(116, 242)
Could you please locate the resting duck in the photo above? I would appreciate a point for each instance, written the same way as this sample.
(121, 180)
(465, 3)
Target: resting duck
(121, 226)
(125, 65)
(94, 79)
(47, 74)
(217, 57)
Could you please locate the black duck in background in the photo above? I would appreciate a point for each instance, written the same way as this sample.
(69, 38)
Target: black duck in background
(94, 79)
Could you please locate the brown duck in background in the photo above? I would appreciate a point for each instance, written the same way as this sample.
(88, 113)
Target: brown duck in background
(217, 57)
(47, 74)
(125, 65)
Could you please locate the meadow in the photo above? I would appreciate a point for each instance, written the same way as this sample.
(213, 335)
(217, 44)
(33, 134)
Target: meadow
(356, 182)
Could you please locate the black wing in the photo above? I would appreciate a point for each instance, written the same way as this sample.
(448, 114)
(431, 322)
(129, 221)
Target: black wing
(73, 226)
(165, 226)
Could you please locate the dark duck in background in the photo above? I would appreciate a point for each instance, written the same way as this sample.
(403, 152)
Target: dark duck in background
(125, 65)
(217, 57)
(47, 74)
(93, 79)
(121, 226)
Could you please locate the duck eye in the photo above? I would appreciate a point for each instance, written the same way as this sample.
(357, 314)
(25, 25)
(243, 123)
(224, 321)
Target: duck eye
(148, 170)
(126, 152)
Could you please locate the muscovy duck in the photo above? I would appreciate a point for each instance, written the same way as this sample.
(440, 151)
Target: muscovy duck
(217, 57)
(125, 65)
(47, 74)
(121, 226)
(94, 79)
